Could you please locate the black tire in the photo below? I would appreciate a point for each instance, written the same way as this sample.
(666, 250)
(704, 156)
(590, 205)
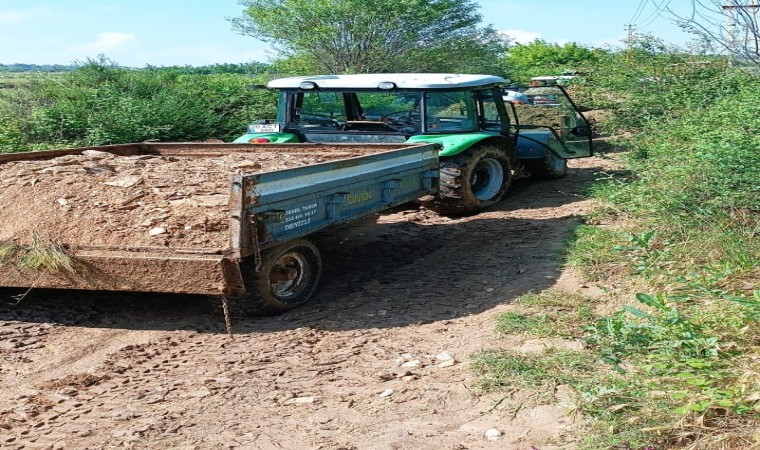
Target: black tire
(550, 168)
(288, 278)
(474, 180)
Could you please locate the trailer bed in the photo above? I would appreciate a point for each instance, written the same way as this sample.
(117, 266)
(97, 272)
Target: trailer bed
(179, 217)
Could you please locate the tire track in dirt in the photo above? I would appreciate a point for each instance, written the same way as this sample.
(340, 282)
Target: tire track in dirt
(359, 367)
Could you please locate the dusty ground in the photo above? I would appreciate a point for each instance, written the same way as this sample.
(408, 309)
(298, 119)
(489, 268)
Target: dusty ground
(362, 366)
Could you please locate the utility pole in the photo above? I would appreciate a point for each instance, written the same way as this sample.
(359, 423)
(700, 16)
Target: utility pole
(631, 35)
(748, 14)
(752, 4)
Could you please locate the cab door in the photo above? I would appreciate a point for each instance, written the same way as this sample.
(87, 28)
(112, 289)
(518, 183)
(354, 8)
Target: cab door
(550, 119)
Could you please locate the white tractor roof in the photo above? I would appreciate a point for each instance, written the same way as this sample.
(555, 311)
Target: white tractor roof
(401, 80)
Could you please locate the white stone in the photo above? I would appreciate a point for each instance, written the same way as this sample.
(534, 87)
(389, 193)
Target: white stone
(298, 401)
(386, 393)
(96, 154)
(444, 356)
(125, 182)
(413, 363)
(492, 434)
(156, 231)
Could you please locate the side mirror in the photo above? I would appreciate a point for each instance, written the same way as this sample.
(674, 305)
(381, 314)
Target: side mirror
(581, 131)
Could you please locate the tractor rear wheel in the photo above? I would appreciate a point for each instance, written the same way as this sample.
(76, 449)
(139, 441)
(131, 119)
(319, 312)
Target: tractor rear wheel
(474, 180)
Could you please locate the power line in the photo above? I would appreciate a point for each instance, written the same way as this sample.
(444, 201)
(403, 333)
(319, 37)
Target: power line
(658, 9)
(639, 10)
(753, 5)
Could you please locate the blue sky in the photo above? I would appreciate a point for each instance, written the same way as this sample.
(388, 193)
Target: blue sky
(168, 32)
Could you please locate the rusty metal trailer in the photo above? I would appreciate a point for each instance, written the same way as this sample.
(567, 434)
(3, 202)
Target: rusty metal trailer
(99, 213)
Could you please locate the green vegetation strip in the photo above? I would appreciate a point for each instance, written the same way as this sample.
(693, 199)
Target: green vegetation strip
(677, 365)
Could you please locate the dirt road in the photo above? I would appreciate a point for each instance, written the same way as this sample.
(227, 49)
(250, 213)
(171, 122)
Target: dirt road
(367, 364)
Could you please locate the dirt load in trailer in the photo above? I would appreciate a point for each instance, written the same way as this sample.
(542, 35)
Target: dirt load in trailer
(213, 219)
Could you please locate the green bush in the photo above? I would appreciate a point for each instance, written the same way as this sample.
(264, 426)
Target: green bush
(651, 83)
(677, 367)
(100, 103)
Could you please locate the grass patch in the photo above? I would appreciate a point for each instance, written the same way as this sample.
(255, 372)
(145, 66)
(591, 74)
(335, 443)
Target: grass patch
(7, 252)
(596, 253)
(550, 313)
(41, 255)
(533, 325)
(505, 369)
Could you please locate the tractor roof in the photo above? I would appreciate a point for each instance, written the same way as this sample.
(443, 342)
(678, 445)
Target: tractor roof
(400, 80)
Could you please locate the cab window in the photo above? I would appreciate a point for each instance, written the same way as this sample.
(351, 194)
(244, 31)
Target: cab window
(319, 110)
(447, 112)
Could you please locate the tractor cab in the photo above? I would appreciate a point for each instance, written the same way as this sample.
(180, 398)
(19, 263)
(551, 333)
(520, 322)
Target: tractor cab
(383, 108)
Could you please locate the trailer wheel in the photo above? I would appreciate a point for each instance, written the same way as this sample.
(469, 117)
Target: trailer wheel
(549, 168)
(474, 180)
(288, 278)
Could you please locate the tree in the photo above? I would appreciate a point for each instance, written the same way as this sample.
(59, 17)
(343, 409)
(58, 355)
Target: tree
(729, 25)
(541, 58)
(362, 36)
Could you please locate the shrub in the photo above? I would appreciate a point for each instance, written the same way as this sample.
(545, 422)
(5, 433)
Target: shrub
(100, 103)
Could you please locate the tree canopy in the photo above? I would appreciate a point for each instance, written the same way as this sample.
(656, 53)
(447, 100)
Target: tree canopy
(362, 36)
(542, 58)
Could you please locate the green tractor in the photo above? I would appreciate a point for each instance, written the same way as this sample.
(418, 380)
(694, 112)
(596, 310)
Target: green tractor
(484, 143)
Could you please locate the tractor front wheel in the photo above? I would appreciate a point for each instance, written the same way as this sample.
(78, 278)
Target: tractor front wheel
(551, 167)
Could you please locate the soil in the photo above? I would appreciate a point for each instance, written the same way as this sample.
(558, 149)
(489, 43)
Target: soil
(379, 359)
(99, 198)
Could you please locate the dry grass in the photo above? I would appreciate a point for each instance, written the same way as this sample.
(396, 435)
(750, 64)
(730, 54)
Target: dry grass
(7, 252)
(42, 254)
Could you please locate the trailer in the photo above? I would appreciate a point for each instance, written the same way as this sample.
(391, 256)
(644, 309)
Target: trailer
(217, 219)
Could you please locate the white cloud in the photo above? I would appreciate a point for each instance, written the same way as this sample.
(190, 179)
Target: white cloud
(522, 36)
(105, 42)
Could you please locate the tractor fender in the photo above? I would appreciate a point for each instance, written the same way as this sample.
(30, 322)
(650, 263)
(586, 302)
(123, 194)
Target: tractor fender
(454, 144)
